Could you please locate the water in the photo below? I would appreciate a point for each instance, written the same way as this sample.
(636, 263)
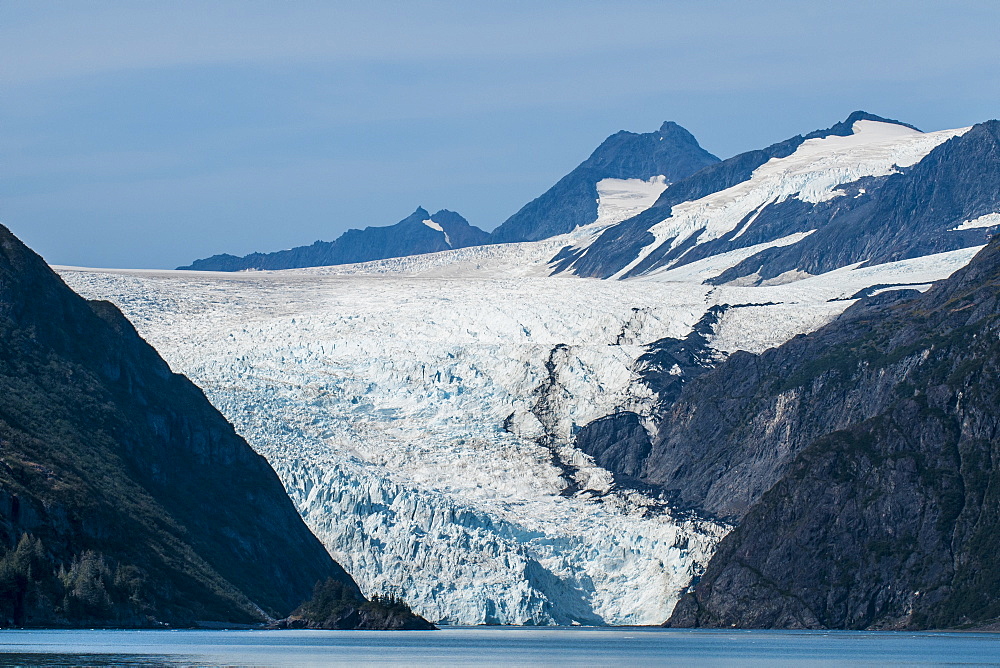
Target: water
(617, 647)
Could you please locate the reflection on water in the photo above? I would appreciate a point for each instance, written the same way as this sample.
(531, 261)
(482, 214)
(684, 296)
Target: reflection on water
(495, 646)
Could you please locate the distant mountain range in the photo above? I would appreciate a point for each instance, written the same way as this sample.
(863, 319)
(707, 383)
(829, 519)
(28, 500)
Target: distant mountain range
(671, 153)
(829, 185)
(126, 499)
(418, 233)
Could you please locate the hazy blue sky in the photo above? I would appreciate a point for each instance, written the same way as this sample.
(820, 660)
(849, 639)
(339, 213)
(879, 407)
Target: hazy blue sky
(148, 134)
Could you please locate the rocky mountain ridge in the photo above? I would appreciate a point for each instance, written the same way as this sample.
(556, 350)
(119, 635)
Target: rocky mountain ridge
(418, 233)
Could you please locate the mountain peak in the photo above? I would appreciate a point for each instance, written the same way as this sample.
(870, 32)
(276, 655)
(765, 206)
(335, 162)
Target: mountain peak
(671, 152)
(677, 133)
(861, 115)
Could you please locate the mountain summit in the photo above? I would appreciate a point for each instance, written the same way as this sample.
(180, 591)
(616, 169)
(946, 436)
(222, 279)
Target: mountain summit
(671, 152)
(846, 126)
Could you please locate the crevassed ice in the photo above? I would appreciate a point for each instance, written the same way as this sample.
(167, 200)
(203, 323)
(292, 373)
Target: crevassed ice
(423, 425)
(381, 402)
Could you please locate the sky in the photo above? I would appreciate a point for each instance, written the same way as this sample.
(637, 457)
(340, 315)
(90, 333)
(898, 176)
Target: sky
(143, 134)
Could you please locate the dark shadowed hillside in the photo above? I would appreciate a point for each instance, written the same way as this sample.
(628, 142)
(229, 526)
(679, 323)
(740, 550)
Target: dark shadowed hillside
(126, 499)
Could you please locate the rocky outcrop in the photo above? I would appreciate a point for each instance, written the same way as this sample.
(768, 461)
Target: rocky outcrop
(418, 233)
(861, 463)
(334, 606)
(617, 442)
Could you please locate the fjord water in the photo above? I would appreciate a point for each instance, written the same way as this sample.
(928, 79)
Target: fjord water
(507, 646)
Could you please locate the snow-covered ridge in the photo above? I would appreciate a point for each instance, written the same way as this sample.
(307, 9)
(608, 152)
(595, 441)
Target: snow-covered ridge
(811, 173)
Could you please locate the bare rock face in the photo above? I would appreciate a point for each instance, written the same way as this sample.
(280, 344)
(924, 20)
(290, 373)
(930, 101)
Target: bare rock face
(860, 462)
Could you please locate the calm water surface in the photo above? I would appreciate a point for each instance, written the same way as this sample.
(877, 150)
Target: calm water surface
(618, 647)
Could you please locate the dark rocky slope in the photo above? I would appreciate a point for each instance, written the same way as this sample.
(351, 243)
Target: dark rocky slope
(672, 152)
(861, 463)
(410, 236)
(126, 499)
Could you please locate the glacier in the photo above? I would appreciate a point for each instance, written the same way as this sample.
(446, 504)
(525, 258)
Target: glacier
(423, 425)
(421, 411)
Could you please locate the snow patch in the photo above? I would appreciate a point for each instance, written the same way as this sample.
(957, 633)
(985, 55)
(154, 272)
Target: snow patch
(437, 226)
(621, 199)
(989, 220)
